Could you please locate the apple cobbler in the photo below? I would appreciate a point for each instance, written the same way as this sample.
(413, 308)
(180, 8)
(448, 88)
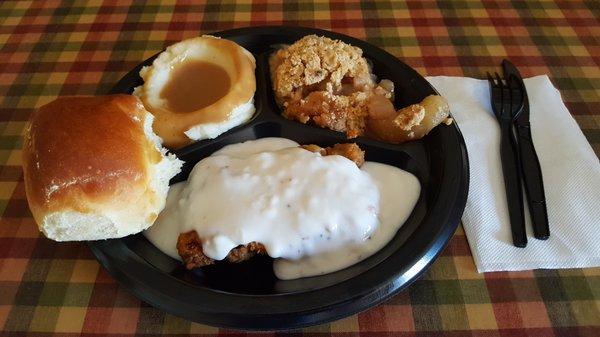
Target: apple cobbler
(329, 83)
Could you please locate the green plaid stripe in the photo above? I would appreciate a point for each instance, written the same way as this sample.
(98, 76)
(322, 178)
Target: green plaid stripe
(51, 48)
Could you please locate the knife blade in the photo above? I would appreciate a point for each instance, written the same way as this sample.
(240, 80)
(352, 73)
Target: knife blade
(530, 163)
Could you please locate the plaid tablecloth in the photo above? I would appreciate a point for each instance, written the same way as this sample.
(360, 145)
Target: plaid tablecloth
(52, 48)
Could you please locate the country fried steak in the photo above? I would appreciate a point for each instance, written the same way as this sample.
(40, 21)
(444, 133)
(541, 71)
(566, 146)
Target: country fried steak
(189, 245)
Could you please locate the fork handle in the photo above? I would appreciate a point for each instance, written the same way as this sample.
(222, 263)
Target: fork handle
(512, 183)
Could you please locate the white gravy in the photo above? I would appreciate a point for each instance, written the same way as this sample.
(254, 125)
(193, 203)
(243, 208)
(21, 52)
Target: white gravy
(315, 214)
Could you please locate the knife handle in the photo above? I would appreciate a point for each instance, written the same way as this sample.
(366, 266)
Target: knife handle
(512, 183)
(534, 185)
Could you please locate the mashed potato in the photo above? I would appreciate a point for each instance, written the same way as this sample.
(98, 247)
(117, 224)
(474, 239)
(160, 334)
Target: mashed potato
(198, 88)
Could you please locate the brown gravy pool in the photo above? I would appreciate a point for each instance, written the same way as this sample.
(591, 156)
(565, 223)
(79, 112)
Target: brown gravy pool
(194, 85)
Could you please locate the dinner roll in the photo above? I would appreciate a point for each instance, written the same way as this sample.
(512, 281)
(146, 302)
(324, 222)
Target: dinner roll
(94, 169)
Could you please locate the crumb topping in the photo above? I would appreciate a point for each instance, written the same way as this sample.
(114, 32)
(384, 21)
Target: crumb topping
(410, 116)
(315, 60)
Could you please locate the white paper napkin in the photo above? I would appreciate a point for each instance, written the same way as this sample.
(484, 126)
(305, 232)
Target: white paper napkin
(570, 169)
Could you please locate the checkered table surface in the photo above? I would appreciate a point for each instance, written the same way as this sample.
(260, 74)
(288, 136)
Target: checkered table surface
(53, 48)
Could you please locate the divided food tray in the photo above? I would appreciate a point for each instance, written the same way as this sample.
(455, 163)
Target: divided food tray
(248, 295)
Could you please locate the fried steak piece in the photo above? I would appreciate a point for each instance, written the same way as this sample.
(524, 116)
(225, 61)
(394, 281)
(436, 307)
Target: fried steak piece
(348, 150)
(189, 245)
(189, 248)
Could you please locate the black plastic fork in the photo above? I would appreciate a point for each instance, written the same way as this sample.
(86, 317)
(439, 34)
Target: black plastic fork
(507, 103)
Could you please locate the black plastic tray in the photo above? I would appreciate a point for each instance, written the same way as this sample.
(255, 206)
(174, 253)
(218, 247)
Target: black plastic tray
(248, 295)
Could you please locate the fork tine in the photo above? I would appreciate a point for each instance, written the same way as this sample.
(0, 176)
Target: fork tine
(495, 95)
(500, 82)
(490, 78)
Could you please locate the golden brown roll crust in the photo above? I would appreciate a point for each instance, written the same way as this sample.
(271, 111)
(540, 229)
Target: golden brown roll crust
(90, 155)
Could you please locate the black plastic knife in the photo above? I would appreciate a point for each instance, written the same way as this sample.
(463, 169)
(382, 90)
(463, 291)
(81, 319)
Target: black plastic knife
(529, 162)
